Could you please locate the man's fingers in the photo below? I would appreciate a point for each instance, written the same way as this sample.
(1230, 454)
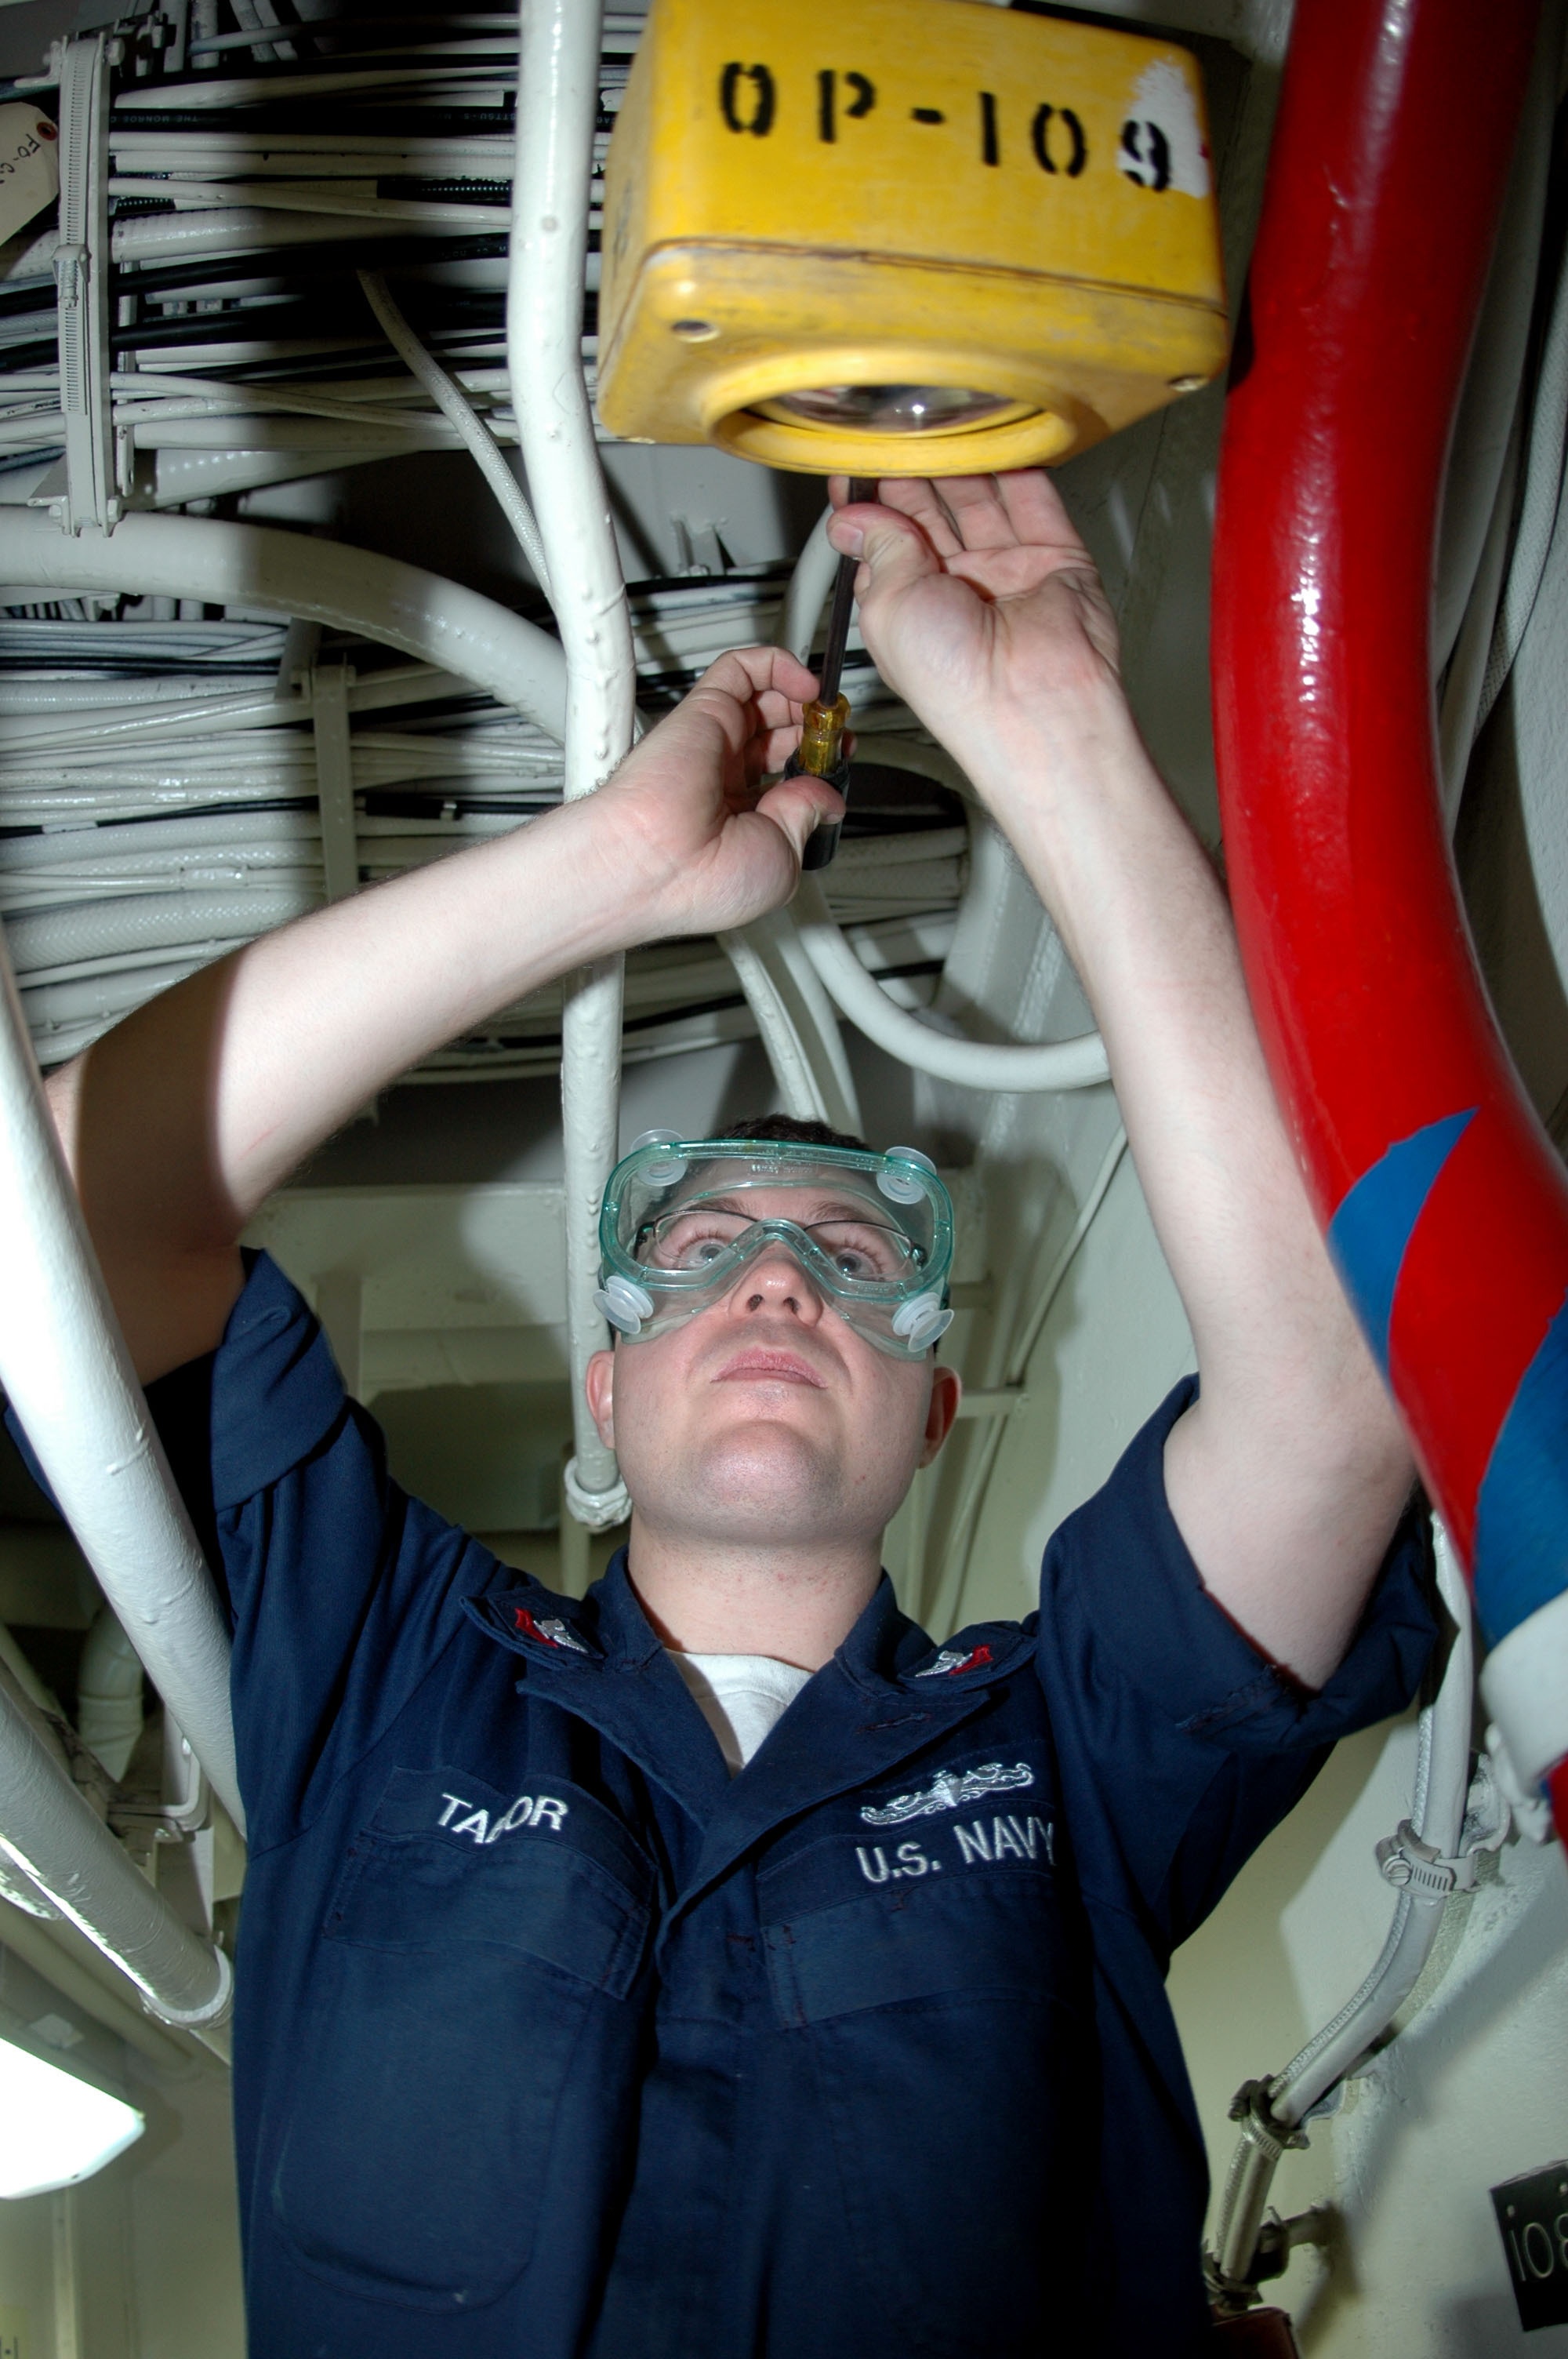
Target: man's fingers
(748, 673)
(893, 550)
(979, 513)
(795, 805)
(922, 501)
(1037, 510)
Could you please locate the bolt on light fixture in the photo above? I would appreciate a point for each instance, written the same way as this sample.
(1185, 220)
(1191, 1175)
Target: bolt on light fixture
(903, 237)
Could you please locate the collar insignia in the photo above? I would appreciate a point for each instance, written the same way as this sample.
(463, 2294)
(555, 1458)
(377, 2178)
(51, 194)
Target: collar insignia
(552, 1632)
(949, 1790)
(955, 1658)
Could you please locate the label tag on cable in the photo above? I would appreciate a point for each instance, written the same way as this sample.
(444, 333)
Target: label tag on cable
(29, 166)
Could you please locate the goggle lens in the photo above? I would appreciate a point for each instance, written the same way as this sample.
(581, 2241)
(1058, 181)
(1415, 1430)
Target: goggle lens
(863, 1252)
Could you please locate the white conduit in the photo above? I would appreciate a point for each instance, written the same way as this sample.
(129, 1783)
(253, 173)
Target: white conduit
(794, 1022)
(454, 404)
(58, 1841)
(257, 566)
(974, 1064)
(64, 1365)
(1437, 1816)
(810, 586)
(558, 105)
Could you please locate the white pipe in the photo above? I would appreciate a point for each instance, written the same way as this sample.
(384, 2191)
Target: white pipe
(64, 1364)
(256, 566)
(58, 1840)
(455, 405)
(558, 105)
(109, 1716)
(975, 1064)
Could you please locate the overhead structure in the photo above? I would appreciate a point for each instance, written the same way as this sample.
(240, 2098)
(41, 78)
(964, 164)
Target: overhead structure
(1445, 1206)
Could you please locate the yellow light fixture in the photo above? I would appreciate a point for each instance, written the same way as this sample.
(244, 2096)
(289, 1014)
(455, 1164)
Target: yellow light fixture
(902, 237)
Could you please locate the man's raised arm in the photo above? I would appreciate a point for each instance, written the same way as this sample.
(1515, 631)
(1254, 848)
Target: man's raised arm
(1286, 1478)
(181, 1121)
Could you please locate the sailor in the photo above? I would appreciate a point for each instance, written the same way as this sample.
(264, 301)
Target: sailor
(715, 1965)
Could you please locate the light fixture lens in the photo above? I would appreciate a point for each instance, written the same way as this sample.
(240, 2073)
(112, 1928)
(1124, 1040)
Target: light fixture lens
(55, 2127)
(890, 408)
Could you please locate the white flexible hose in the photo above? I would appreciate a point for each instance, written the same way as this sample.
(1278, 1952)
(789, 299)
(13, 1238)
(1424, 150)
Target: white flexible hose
(558, 108)
(1437, 1815)
(810, 586)
(974, 1064)
(455, 404)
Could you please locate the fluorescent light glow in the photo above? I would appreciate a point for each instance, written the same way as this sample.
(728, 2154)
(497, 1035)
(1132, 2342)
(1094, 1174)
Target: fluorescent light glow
(55, 2127)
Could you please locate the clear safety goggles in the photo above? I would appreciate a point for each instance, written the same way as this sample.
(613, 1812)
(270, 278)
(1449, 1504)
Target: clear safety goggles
(873, 1233)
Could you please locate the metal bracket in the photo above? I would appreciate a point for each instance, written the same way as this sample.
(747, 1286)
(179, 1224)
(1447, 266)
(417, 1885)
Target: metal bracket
(1413, 1866)
(82, 275)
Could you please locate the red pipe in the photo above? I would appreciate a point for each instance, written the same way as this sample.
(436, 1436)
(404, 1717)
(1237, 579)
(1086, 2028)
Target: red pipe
(1443, 1203)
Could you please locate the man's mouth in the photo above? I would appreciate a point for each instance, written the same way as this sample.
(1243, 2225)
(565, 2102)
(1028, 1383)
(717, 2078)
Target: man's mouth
(760, 1366)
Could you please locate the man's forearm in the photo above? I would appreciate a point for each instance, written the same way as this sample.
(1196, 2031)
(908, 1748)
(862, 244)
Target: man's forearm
(180, 1122)
(1288, 1384)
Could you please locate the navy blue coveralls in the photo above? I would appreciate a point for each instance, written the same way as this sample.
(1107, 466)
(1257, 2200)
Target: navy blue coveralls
(555, 2042)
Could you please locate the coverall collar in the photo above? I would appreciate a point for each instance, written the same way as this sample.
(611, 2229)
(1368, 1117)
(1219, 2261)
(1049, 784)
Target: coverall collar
(886, 1693)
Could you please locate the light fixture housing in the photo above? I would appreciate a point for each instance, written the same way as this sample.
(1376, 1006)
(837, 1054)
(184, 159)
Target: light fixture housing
(903, 237)
(60, 2119)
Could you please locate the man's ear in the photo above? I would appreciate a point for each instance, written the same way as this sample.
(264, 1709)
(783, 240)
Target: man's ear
(599, 1383)
(946, 1391)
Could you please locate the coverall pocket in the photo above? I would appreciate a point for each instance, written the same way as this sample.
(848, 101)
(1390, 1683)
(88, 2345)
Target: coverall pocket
(948, 2038)
(457, 1976)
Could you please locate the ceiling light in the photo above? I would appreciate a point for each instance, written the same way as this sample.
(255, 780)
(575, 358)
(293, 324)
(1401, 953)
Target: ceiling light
(56, 2125)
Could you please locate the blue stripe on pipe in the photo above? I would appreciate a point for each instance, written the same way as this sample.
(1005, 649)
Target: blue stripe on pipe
(1369, 1233)
(1521, 1510)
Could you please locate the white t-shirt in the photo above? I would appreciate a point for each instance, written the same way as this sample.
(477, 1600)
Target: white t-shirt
(740, 1696)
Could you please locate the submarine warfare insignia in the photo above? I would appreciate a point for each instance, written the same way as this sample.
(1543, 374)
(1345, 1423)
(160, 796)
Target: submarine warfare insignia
(949, 1790)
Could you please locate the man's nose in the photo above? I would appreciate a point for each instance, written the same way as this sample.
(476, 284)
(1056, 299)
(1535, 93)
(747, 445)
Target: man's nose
(775, 1281)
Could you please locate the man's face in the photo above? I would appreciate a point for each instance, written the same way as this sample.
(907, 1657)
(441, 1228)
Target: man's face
(766, 1419)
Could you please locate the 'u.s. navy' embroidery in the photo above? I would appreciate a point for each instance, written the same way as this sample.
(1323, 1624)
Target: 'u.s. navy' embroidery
(949, 1790)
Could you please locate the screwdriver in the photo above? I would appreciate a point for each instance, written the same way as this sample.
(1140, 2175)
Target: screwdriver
(821, 751)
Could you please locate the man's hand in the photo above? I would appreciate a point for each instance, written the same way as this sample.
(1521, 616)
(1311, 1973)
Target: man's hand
(682, 823)
(979, 601)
